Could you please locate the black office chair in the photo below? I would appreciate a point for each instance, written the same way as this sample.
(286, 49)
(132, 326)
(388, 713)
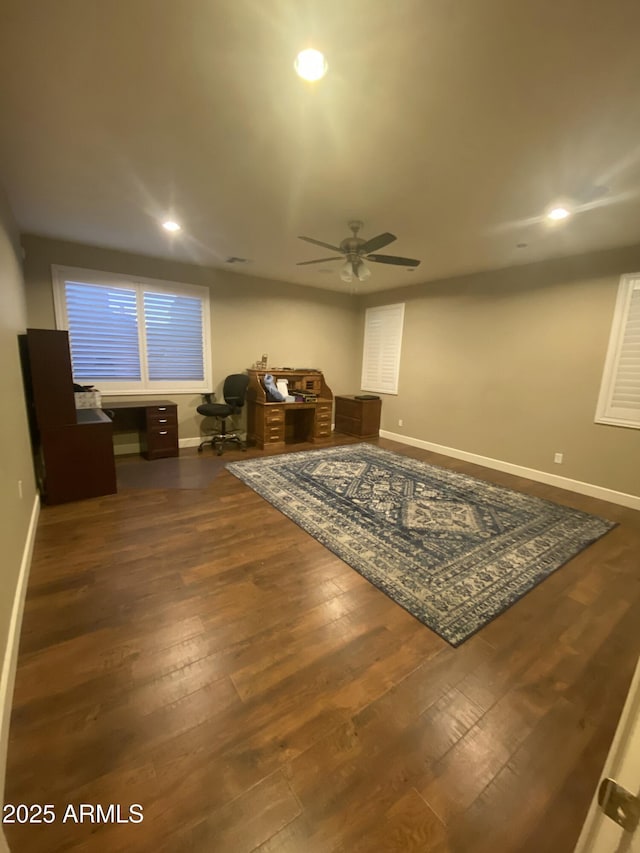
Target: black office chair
(234, 392)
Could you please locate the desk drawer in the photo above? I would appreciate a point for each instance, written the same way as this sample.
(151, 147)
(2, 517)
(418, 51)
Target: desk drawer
(274, 416)
(161, 415)
(348, 426)
(348, 408)
(161, 441)
(274, 432)
(358, 417)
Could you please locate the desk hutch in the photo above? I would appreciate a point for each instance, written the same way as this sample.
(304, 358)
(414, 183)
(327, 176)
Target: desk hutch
(277, 424)
(73, 448)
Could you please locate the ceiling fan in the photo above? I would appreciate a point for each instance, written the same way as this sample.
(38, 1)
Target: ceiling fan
(356, 250)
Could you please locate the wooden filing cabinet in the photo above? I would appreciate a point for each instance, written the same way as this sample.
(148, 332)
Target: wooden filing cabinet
(159, 439)
(358, 417)
(156, 422)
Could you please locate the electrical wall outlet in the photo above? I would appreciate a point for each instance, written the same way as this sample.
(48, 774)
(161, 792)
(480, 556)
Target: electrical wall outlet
(400, 422)
(558, 458)
(20, 489)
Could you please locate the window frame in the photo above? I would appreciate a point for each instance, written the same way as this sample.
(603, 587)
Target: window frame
(395, 314)
(145, 386)
(606, 412)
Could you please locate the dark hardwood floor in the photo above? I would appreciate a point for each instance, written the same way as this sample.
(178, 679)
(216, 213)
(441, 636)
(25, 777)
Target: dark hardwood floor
(193, 651)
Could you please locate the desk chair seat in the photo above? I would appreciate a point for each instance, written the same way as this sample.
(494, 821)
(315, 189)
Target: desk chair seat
(234, 392)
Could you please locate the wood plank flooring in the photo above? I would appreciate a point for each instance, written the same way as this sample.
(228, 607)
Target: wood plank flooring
(194, 651)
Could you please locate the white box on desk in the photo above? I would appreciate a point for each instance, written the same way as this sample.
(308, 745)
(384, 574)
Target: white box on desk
(88, 399)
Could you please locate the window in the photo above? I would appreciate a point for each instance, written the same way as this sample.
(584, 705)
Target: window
(619, 401)
(134, 335)
(382, 345)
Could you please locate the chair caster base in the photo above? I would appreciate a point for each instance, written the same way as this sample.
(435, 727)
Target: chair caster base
(219, 443)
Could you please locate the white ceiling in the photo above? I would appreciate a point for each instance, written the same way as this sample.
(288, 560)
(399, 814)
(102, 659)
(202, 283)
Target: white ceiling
(451, 123)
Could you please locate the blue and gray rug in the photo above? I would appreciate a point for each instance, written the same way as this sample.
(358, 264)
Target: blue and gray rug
(452, 550)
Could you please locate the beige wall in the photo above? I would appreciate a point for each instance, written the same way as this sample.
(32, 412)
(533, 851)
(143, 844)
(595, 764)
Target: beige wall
(296, 326)
(15, 453)
(508, 365)
(504, 364)
(15, 457)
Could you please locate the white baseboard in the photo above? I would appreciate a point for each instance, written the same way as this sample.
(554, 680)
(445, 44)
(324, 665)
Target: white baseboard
(630, 501)
(8, 674)
(189, 442)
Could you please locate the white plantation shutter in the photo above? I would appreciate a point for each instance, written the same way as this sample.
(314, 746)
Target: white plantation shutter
(134, 335)
(103, 332)
(382, 346)
(619, 401)
(174, 336)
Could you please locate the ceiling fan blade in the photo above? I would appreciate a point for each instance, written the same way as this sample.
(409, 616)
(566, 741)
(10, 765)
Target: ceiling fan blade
(377, 242)
(320, 260)
(320, 243)
(393, 259)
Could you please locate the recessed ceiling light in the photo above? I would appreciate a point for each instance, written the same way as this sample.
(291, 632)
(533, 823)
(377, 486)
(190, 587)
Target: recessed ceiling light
(310, 64)
(170, 225)
(558, 213)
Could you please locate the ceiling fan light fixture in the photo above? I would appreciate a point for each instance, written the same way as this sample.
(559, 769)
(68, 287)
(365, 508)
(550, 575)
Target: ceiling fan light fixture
(310, 64)
(356, 251)
(346, 272)
(363, 272)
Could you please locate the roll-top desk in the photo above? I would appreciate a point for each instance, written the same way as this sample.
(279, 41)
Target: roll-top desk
(277, 424)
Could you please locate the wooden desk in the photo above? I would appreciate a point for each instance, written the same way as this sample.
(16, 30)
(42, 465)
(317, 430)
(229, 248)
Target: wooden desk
(277, 424)
(155, 420)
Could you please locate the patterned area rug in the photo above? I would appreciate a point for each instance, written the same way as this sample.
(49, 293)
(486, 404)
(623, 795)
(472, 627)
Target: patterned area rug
(452, 550)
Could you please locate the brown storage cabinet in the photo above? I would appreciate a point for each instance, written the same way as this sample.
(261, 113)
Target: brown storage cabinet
(358, 417)
(73, 448)
(160, 439)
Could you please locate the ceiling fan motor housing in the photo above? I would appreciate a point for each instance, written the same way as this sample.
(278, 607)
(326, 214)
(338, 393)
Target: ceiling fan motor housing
(351, 245)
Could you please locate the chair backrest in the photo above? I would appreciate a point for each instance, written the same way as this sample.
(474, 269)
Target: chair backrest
(234, 389)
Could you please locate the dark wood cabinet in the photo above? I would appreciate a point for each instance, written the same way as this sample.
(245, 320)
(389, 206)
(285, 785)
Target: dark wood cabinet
(78, 459)
(161, 435)
(358, 417)
(73, 448)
